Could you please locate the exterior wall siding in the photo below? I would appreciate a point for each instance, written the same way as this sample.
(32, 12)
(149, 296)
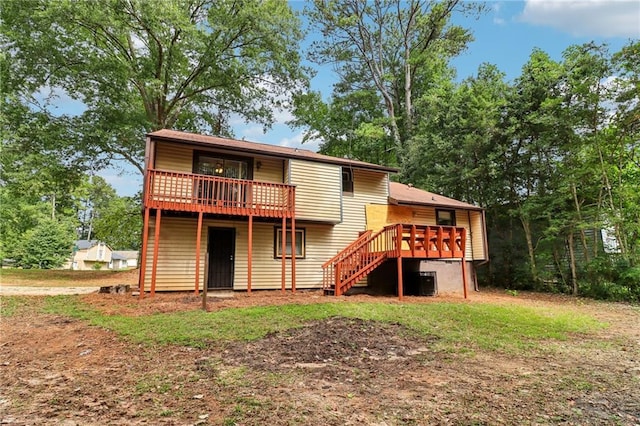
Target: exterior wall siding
(173, 157)
(176, 254)
(318, 190)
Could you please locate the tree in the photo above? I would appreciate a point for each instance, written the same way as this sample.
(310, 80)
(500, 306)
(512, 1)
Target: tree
(140, 65)
(45, 246)
(93, 197)
(383, 50)
(119, 224)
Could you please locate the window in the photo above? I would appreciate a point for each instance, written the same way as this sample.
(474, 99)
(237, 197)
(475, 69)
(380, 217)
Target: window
(217, 165)
(300, 243)
(347, 181)
(446, 217)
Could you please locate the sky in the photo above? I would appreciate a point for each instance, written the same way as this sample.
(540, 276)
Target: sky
(505, 36)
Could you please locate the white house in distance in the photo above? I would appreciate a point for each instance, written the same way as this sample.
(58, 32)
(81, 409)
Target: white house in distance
(229, 214)
(124, 259)
(94, 254)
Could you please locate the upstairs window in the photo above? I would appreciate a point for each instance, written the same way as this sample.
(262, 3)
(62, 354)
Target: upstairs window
(445, 217)
(347, 181)
(217, 165)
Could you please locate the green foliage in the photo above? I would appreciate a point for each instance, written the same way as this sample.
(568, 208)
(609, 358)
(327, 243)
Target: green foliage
(387, 54)
(119, 224)
(45, 246)
(142, 65)
(501, 328)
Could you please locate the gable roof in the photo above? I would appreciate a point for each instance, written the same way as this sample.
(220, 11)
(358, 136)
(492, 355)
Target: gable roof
(124, 254)
(85, 244)
(261, 148)
(404, 194)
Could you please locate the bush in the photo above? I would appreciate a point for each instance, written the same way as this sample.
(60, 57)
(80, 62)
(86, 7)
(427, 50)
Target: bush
(45, 246)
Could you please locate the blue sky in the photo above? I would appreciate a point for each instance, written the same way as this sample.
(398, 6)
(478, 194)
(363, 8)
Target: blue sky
(505, 36)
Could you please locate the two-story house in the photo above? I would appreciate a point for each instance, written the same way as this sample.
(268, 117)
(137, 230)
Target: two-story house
(231, 214)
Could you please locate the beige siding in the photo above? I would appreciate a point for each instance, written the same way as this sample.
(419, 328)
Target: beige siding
(176, 259)
(271, 170)
(178, 158)
(173, 157)
(318, 190)
(478, 235)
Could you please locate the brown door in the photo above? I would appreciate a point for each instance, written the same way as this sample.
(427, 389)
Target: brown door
(222, 242)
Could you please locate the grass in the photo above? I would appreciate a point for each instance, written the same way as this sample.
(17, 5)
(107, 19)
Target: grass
(11, 305)
(457, 326)
(61, 277)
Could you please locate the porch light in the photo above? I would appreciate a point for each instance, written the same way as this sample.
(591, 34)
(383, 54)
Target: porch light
(219, 169)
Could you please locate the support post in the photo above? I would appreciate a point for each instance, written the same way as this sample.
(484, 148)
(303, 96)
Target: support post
(400, 284)
(198, 237)
(464, 266)
(250, 253)
(143, 255)
(284, 251)
(156, 245)
(293, 254)
(205, 282)
(399, 260)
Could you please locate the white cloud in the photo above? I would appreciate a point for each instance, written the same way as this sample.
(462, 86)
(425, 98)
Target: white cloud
(591, 18)
(295, 141)
(252, 132)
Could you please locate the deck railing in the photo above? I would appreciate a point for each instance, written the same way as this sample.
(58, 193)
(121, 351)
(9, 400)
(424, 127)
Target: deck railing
(370, 250)
(190, 192)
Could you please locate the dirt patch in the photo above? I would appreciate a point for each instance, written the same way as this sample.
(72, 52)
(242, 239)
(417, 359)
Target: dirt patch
(334, 341)
(56, 371)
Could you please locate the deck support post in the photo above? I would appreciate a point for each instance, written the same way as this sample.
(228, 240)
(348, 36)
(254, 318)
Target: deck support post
(399, 260)
(250, 253)
(463, 243)
(283, 237)
(156, 246)
(400, 289)
(198, 237)
(143, 254)
(293, 254)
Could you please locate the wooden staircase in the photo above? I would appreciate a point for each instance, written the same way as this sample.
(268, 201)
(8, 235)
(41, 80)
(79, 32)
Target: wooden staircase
(370, 250)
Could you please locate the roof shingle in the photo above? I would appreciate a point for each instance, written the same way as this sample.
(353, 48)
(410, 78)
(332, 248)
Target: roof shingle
(261, 148)
(404, 194)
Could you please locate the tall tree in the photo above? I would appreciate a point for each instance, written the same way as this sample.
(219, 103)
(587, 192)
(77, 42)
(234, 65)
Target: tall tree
(384, 48)
(142, 65)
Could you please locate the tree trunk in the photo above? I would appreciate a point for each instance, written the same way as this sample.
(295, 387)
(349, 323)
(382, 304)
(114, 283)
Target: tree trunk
(526, 226)
(583, 237)
(572, 264)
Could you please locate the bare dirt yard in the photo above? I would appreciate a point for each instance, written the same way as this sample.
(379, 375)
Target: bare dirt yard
(56, 370)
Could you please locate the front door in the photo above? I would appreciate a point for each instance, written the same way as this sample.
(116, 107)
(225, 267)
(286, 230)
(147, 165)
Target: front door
(222, 245)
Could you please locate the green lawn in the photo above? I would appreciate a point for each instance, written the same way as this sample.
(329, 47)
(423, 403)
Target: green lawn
(456, 326)
(64, 277)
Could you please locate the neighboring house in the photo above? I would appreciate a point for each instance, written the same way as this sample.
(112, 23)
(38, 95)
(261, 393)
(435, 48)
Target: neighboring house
(88, 255)
(215, 210)
(124, 259)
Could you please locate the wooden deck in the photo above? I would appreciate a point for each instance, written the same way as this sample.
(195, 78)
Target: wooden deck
(398, 241)
(188, 192)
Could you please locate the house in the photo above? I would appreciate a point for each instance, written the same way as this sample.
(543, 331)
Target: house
(231, 214)
(89, 254)
(124, 259)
